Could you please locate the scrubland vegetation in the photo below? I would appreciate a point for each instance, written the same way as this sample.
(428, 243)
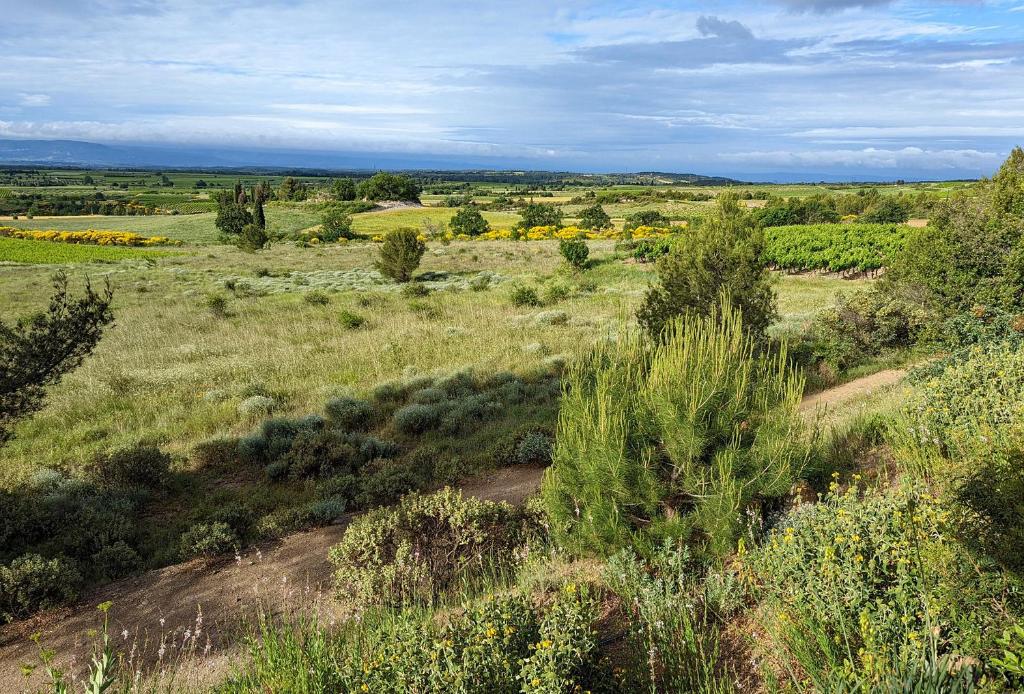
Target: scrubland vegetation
(696, 529)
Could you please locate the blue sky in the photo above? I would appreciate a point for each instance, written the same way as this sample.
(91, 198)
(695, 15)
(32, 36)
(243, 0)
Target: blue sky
(842, 87)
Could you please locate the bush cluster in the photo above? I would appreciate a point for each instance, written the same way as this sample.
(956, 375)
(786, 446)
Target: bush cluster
(418, 550)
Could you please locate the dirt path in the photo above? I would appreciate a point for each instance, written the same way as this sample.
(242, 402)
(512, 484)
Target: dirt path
(164, 604)
(840, 394)
(281, 576)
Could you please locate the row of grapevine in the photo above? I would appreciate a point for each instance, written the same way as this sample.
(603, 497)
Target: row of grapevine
(833, 247)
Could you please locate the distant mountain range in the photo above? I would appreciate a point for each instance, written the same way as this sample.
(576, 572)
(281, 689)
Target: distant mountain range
(90, 154)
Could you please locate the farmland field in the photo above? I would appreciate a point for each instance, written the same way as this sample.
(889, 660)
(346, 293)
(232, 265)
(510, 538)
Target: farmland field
(53, 253)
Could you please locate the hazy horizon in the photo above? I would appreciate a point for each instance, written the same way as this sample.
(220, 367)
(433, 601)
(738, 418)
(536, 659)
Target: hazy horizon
(843, 89)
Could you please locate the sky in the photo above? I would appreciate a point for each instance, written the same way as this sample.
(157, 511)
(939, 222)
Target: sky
(849, 88)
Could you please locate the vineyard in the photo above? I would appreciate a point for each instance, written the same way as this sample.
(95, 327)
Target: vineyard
(833, 247)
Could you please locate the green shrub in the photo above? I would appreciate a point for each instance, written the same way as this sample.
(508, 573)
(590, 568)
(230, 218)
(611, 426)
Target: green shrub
(253, 237)
(220, 451)
(31, 583)
(321, 453)
(348, 413)
(595, 218)
(971, 252)
(469, 221)
(870, 589)
(534, 448)
(400, 254)
(115, 561)
(498, 645)
(415, 289)
(416, 551)
(384, 484)
(417, 418)
(335, 224)
(480, 283)
(676, 439)
(341, 486)
(324, 511)
(575, 252)
(565, 654)
(675, 610)
(524, 296)
(725, 257)
(350, 320)
(143, 465)
(207, 540)
(277, 471)
(317, 298)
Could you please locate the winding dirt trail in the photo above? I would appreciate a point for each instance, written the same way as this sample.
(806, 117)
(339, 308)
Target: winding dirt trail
(288, 575)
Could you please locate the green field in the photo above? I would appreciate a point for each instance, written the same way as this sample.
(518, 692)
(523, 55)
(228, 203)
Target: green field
(373, 223)
(54, 253)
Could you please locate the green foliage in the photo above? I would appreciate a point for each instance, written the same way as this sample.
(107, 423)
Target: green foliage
(726, 256)
(540, 215)
(833, 247)
(37, 352)
(675, 613)
(388, 186)
(351, 320)
(252, 238)
(232, 216)
(31, 583)
(469, 221)
(815, 209)
(292, 189)
(594, 218)
(860, 326)
(208, 540)
(420, 549)
(522, 295)
(645, 218)
(888, 210)
(400, 254)
(348, 413)
(575, 252)
(144, 466)
(335, 224)
(678, 439)
(497, 645)
(851, 594)
(972, 251)
(343, 189)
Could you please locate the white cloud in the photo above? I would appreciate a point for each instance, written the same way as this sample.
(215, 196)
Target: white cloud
(34, 100)
(871, 158)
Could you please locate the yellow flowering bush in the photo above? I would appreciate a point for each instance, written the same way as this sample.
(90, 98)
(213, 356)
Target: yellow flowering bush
(89, 236)
(857, 587)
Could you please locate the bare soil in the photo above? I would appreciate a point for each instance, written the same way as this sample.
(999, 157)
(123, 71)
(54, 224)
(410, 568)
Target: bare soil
(288, 575)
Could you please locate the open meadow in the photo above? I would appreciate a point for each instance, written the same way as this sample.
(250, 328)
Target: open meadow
(690, 453)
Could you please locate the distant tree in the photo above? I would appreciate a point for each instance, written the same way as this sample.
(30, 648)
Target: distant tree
(400, 254)
(388, 186)
(87, 180)
(200, 183)
(888, 210)
(38, 352)
(292, 189)
(343, 189)
(724, 257)
(469, 221)
(231, 216)
(258, 217)
(594, 217)
(645, 218)
(335, 223)
(539, 215)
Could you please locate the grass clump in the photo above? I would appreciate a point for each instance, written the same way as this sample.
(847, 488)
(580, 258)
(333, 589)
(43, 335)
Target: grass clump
(420, 549)
(351, 320)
